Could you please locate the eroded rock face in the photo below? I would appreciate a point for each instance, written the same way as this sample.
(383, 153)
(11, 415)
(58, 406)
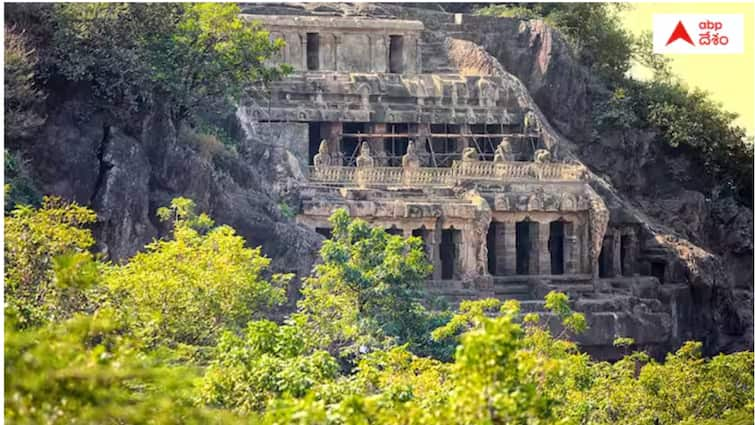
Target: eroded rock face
(126, 177)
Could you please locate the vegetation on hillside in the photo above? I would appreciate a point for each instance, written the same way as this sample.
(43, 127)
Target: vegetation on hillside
(181, 334)
(687, 121)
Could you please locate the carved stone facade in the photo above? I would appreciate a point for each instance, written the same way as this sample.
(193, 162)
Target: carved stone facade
(464, 162)
(454, 159)
(416, 120)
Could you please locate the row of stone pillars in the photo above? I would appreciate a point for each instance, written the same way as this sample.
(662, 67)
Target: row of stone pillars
(514, 248)
(529, 248)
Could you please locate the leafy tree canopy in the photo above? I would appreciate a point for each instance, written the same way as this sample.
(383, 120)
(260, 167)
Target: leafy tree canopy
(118, 343)
(186, 56)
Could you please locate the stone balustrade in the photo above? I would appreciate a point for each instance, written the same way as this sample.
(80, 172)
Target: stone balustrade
(459, 171)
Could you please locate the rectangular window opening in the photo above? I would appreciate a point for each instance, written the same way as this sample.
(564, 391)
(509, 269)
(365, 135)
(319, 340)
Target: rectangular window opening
(396, 54)
(313, 51)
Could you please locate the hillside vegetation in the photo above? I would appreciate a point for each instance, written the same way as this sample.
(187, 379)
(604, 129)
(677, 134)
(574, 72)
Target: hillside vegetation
(179, 335)
(189, 331)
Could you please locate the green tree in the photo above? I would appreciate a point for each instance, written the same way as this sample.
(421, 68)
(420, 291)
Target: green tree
(23, 97)
(366, 293)
(189, 289)
(47, 260)
(187, 56)
(269, 362)
(87, 370)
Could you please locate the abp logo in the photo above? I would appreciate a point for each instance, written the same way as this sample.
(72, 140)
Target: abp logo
(698, 34)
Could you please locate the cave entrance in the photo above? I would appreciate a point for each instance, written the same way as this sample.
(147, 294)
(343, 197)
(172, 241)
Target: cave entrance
(423, 234)
(624, 253)
(314, 141)
(327, 232)
(395, 145)
(395, 231)
(485, 138)
(396, 54)
(313, 51)
(556, 246)
(496, 249)
(526, 254)
(448, 252)
(658, 270)
(605, 259)
(350, 138)
(443, 144)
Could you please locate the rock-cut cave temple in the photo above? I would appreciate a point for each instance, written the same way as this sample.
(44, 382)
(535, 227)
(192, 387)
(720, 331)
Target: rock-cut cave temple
(384, 122)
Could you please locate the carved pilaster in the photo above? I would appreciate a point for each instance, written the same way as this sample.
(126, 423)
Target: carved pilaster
(542, 253)
(599, 216)
(478, 239)
(509, 248)
(433, 252)
(616, 252)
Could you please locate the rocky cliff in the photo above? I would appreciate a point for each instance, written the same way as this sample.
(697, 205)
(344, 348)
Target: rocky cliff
(125, 171)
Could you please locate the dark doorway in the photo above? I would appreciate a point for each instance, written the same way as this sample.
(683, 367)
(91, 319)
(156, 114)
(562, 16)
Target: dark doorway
(556, 247)
(443, 144)
(313, 51)
(493, 232)
(658, 270)
(605, 259)
(314, 141)
(423, 234)
(395, 146)
(395, 231)
(624, 250)
(484, 143)
(325, 231)
(396, 55)
(448, 253)
(352, 132)
(525, 239)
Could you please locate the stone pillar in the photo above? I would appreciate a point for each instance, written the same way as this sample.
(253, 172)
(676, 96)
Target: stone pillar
(433, 252)
(465, 140)
(509, 248)
(630, 261)
(542, 252)
(421, 142)
(378, 144)
(571, 249)
(332, 132)
(584, 248)
(303, 39)
(616, 252)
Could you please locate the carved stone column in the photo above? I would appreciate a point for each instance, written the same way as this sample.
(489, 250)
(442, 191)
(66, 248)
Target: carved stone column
(571, 249)
(616, 252)
(571, 254)
(421, 142)
(509, 248)
(303, 39)
(630, 259)
(542, 253)
(433, 252)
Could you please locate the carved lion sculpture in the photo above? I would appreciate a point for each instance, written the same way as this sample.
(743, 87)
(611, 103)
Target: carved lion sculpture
(542, 156)
(469, 154)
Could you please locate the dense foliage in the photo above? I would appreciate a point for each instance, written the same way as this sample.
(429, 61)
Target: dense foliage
(22, 96)
(687, 121)
(185, 332)
(180, 334)
(188, 57)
